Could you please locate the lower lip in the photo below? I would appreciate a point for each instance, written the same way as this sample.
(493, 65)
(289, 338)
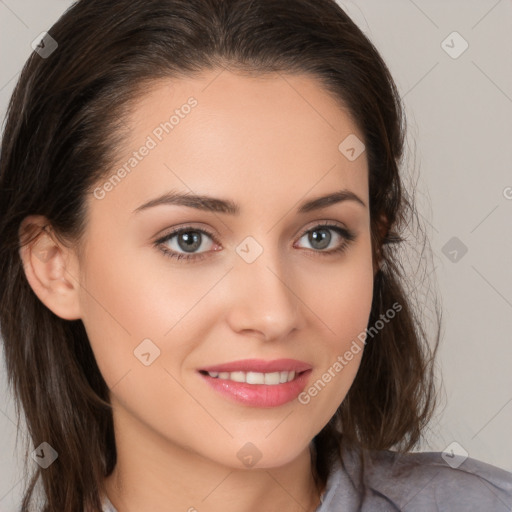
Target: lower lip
(259, 395)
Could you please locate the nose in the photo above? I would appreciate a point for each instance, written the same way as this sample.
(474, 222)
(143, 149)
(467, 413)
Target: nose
(264, 297)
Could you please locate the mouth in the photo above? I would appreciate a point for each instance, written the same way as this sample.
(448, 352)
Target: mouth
(269, 379)
(258, 383)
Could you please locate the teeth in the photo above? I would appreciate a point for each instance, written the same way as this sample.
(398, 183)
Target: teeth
(283, 377)
(270, 379)
(237, 376)
(254, 378)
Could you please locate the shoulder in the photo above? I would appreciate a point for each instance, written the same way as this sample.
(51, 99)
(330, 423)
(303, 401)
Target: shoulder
(428, 479)
(417, 481)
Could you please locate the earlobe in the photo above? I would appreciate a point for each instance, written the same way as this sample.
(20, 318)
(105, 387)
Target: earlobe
(50, 268)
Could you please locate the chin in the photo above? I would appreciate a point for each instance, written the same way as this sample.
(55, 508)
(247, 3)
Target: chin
(266, 454)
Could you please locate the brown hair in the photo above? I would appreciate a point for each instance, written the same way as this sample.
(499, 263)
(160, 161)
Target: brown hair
(65, 120)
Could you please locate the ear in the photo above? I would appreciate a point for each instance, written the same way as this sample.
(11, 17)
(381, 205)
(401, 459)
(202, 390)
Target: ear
(51, 268)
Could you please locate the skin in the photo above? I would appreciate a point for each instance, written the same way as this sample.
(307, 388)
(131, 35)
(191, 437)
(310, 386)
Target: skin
(267, 143)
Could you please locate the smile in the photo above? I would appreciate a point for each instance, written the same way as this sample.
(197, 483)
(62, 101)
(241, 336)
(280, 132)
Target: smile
(270, 379)
(258, 383)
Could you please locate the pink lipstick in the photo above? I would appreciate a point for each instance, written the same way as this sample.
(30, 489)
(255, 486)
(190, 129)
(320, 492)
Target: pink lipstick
(258, 383)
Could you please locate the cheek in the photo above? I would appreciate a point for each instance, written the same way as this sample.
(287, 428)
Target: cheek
(128, 297)
(343, 296)
(121, 306)
(343, 311)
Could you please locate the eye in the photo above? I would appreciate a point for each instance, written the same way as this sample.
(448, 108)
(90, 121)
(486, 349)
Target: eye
(321, 236)
(186, 242)
(185, 239)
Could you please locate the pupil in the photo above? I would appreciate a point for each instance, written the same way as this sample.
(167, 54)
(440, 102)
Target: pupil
(324, 238)
(191, 239)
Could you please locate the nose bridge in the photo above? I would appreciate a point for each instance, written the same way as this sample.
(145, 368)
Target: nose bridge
(264, 300)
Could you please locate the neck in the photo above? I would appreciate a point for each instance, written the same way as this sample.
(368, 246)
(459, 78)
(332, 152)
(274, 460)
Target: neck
(153, 474)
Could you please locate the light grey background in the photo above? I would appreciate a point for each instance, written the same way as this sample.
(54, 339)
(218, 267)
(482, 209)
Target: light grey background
(460, 143)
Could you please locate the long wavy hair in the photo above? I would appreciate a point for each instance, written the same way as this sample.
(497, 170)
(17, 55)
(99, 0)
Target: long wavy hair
(64, 122)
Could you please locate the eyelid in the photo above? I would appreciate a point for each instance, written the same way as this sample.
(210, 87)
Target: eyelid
(187, 227)
(196, 227)
(347, 234)
(322, 223)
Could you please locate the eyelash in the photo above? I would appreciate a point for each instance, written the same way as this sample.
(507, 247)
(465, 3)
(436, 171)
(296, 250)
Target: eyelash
(347, 235)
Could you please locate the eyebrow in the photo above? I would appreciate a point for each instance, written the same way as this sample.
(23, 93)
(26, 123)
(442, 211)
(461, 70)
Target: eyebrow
(213, 204)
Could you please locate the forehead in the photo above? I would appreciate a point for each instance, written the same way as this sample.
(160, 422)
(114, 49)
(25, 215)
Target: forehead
(256, 103)
(277, 135)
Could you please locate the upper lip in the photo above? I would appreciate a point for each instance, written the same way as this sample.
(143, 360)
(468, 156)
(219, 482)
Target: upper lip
(260, 365)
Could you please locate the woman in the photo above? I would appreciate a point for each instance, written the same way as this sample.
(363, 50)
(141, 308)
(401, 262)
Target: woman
(202, 305)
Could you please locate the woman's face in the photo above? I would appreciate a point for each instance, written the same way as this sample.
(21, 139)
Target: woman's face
(259, 277)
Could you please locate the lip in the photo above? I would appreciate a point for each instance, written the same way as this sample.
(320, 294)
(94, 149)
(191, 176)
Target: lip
(259, 395)
(260, 365)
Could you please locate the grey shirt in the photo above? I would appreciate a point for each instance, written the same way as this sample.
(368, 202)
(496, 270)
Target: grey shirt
(417, 482)
(414, 482)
